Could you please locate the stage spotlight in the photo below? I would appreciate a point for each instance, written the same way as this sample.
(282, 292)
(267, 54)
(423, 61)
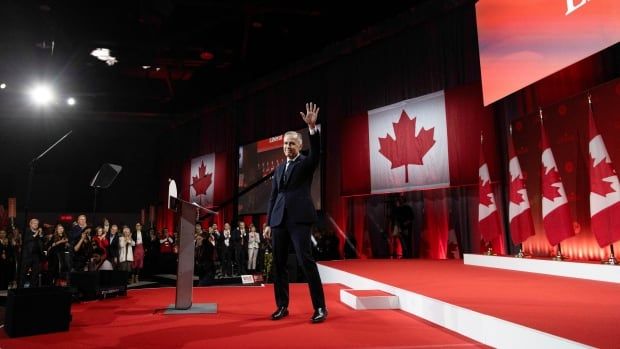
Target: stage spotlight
(42, 95)
(2, 86)
(71, 101)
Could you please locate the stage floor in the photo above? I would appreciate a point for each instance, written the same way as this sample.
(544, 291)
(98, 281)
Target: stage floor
(242, 321)
(583, 311)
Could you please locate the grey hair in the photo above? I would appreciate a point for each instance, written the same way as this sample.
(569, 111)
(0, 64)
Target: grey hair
(296, 134)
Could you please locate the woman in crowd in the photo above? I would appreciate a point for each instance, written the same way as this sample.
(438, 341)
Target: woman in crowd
(138, 253)
(125, 252)
(101, 240)
(253, 245)
(82, 250)
(58, 256)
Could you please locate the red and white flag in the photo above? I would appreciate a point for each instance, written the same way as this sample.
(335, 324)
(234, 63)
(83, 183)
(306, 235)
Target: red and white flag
(408, 145)
(201, 181)
(604, 190)
(519, 213)
(488, 215)
(555, 211)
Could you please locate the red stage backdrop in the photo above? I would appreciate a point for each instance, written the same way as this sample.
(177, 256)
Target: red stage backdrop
(521, 42)
(567, 127)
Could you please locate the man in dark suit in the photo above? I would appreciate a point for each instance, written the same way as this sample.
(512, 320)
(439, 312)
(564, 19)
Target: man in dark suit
(32, 251)
(291, 213)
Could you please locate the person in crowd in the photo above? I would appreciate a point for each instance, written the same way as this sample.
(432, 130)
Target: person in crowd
(227, 251)
(113, 245)
(58, 255)
(151, 252)
(291, 213)
(125, 255)
(402, 222)
(101, 239)
(166, 262)
(240, 243)
(76, 230)
(32, 252)
(98, 261)
(138, 253)
(253, 247)
(82, 251)
(7, 261)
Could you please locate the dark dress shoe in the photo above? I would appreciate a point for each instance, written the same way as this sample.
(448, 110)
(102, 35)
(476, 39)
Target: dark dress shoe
(320, 314)
(279, 313)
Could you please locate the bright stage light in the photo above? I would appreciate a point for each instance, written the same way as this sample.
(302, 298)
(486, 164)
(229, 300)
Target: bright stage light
(2, 86)
(41, 95)
(71, 101)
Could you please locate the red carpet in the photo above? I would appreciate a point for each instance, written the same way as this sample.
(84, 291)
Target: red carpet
(584, 311)
(136, 321)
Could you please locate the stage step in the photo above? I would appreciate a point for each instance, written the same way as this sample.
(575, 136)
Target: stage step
(369, 299)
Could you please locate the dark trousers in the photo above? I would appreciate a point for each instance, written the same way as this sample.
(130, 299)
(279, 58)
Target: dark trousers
(299, 236)
(34, 264)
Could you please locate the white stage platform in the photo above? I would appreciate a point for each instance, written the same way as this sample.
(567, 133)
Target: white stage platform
(583, 270)
(481, 327)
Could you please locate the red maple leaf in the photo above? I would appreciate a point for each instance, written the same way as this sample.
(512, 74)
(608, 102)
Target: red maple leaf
(407, 148)
(597, 174)
(486, 198)
(515, 186)
(549, 177)
(202, 181)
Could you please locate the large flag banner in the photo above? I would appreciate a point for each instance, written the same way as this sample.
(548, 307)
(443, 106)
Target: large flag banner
(408, 145)
(202, 180)
(555, 210)
(604, 189)
(519, 213)
(488, 216)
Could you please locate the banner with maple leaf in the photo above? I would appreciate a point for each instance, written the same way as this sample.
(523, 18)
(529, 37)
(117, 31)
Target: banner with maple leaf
(519, 213)
(202, 176)
(555, 210)
(408, 145)
(488, 215)
(604, 189)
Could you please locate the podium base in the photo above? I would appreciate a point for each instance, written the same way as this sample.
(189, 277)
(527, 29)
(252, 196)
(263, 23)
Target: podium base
(203, 308)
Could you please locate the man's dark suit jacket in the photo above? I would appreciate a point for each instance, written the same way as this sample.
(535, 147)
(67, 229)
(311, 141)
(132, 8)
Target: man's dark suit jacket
(293, 194)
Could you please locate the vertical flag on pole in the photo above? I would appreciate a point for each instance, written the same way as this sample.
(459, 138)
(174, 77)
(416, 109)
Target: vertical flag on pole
(555, 210)
(604, 188)
(488, 216)
(519, 213)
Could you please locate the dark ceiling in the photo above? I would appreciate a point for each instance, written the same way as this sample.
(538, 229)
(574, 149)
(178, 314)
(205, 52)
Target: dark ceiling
(158, 45)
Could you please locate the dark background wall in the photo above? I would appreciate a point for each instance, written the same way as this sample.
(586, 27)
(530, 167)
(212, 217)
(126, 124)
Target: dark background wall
(62, 176)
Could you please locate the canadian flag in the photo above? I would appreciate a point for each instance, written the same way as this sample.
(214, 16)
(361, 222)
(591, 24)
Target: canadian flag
(409, 145)
(488, 216)
(604, 189)
(555, 210)
(425, 142)
(519, 213)
(202, 180)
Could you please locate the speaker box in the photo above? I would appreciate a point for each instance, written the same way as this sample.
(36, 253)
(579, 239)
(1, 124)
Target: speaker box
(31, 311)
(99, 284)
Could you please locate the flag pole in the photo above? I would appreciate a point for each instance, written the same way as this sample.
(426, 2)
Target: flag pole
(520, 254)
(558, 255)
(489, 246)
(612, 257)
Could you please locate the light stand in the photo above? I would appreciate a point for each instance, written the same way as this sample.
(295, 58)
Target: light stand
(32, 165)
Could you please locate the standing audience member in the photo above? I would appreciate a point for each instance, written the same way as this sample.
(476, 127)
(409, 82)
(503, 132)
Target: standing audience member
(240, 241)
(253, 246)
(58, 256)
(98, 261)
(7, 261)
(226, 247)
(32, 251)
(82, 251)
(113, 246)
(125, 256)
(138, 253)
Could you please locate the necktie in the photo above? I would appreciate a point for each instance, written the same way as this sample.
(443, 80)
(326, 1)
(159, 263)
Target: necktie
(288, 162)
